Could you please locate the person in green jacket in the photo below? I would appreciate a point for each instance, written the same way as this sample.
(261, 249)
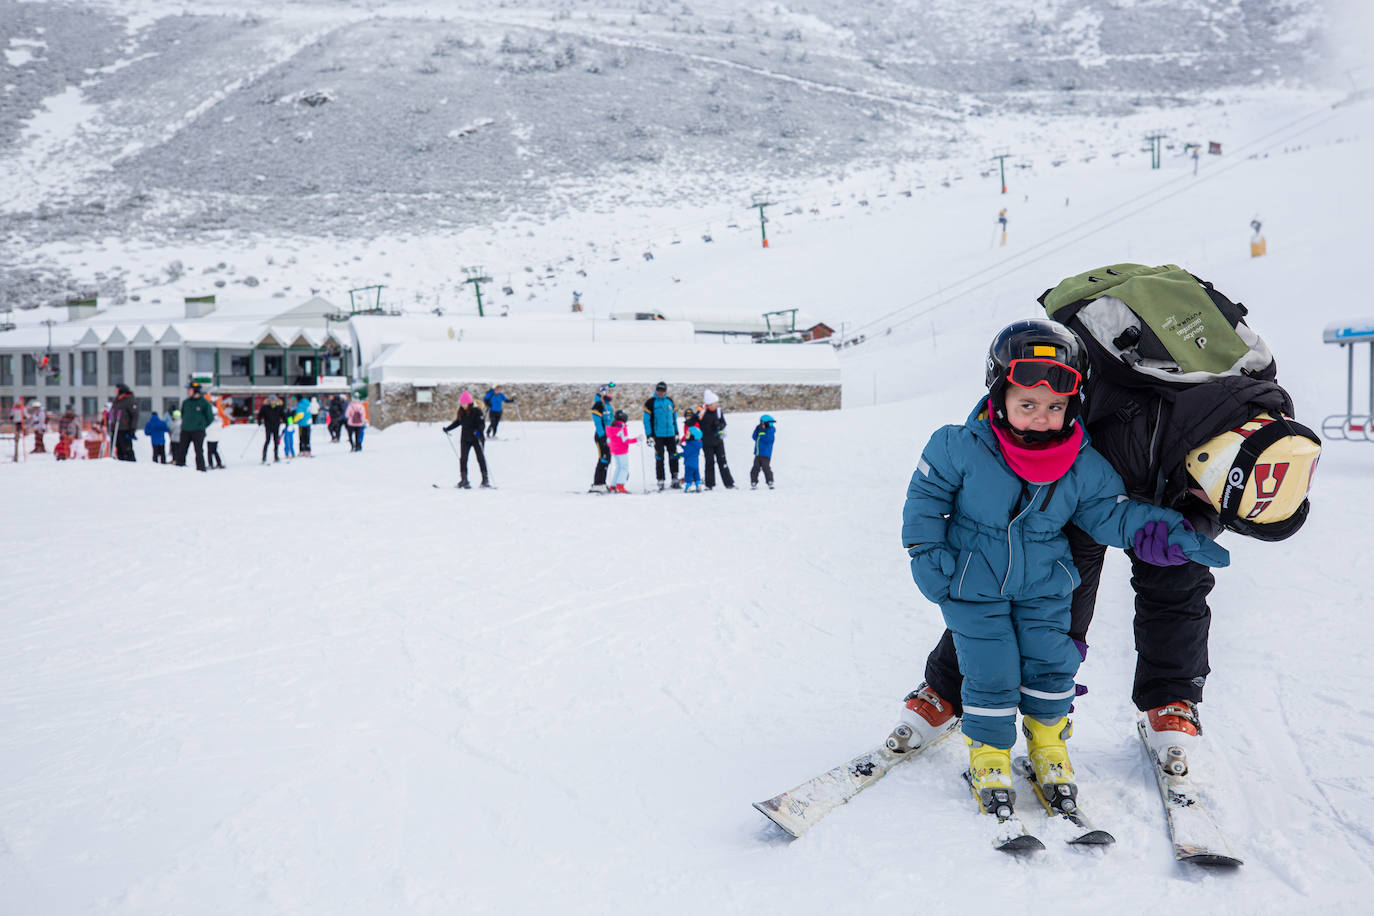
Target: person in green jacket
(196, 417)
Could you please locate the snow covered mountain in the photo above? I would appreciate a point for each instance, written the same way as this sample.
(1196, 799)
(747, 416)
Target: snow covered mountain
(163, 124)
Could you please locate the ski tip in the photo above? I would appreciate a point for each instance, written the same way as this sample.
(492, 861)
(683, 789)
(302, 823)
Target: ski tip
(1093, 838)
(770, 810)
(1023, 842)
(1210, 859)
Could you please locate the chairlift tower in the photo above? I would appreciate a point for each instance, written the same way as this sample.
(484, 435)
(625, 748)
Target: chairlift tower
(476, 277)
(1002, 168)
(760, 203)
(1156, 147)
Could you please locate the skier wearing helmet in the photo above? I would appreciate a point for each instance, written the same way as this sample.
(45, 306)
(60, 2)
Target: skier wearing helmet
(984, 526)
(603, 415)
(764, 434)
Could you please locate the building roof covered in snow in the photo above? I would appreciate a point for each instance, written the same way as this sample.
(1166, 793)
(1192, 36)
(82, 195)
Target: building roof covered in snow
(594, 363)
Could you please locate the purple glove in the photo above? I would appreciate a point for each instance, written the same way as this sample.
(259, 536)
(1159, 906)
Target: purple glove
(1152, 545)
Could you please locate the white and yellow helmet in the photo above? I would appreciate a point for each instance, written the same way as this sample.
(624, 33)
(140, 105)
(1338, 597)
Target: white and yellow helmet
(1258, 474)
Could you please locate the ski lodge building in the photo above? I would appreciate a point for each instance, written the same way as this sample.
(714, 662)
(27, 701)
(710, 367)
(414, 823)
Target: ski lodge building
(409, 366)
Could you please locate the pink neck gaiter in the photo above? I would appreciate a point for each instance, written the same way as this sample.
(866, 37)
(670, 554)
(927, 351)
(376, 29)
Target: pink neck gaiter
(1040, 465)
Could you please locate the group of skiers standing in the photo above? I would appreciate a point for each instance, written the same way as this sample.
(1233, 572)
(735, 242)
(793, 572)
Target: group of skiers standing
(702, 436)
(281, 424)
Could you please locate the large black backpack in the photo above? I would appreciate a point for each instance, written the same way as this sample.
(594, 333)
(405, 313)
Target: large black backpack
(1173, 365)
(1159, 325)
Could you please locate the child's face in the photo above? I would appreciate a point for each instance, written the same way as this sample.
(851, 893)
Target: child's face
(1035, 409)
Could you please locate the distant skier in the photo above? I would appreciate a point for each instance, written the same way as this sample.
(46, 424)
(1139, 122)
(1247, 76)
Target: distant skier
(983, 524)
(304, 419)
(174, 437)
(124, 417)
(691, 455)
(619, 445)
(356, 418)
(156, 430)
(763, 451)
(602, 417)
(660, 426)
(271, 415)
(470, 439)
(713, 441)
(495, 399)
(336, 409)
(212, 456)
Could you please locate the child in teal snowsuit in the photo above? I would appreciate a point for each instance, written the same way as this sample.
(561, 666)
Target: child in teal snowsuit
(983, 524)
(691, 458)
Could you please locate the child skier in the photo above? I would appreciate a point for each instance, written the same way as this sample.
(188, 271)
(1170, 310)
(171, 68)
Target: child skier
(763, 452)
(983, 525)
(691, 455)
(288, 438)
(620, 450)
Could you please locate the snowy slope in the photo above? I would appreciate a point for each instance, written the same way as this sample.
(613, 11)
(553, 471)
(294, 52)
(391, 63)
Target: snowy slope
(326, 687)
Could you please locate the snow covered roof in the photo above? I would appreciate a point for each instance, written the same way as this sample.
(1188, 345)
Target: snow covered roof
(372, 334)
(1359, 329)
(593, 364)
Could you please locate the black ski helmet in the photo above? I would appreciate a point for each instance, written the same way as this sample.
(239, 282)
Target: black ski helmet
(622, 416)
(1034, 338)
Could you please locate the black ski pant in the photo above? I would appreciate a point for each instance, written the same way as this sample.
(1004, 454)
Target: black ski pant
(493, 421)
(1172, 621)
(603, 461)
(762, 463)
(664, 444)
(473, 444)
(714, 453)
(195, 438)
(335, 428)
(305, 440)
(212, 457)
(271, 435)
(159, 454)
(124, 446)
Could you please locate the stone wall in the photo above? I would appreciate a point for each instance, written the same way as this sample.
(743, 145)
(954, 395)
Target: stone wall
(394, 402)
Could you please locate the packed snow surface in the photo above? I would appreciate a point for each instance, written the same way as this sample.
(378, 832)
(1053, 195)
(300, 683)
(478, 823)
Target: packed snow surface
(325, 686)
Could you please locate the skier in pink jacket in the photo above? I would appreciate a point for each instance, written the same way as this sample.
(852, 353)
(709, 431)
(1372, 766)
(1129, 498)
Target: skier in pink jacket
(355, 415)
(620, 448)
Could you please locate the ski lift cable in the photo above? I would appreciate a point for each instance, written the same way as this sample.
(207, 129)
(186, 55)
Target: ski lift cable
(1079, 238)
(1114, 212)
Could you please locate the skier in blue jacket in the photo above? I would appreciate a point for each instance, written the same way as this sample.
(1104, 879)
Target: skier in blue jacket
(660, 427)
(763, 451)
(156, 429)
(495, 399)
(983, 525)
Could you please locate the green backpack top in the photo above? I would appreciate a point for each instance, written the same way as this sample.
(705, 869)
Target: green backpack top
(1161, 322)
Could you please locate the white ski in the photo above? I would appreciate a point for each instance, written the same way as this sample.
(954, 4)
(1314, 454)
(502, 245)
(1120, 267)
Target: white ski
(797, 810)
(1195, 835)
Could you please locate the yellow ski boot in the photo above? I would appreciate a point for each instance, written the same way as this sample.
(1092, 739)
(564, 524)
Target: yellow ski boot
(1049, 759)
(989, 776)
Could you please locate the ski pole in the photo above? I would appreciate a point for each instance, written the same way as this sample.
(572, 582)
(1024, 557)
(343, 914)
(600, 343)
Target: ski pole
(643, 475)
(114, 438)
(250, 442)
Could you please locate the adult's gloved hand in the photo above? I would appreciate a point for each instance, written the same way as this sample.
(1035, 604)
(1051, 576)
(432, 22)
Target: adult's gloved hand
(1152, 545)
